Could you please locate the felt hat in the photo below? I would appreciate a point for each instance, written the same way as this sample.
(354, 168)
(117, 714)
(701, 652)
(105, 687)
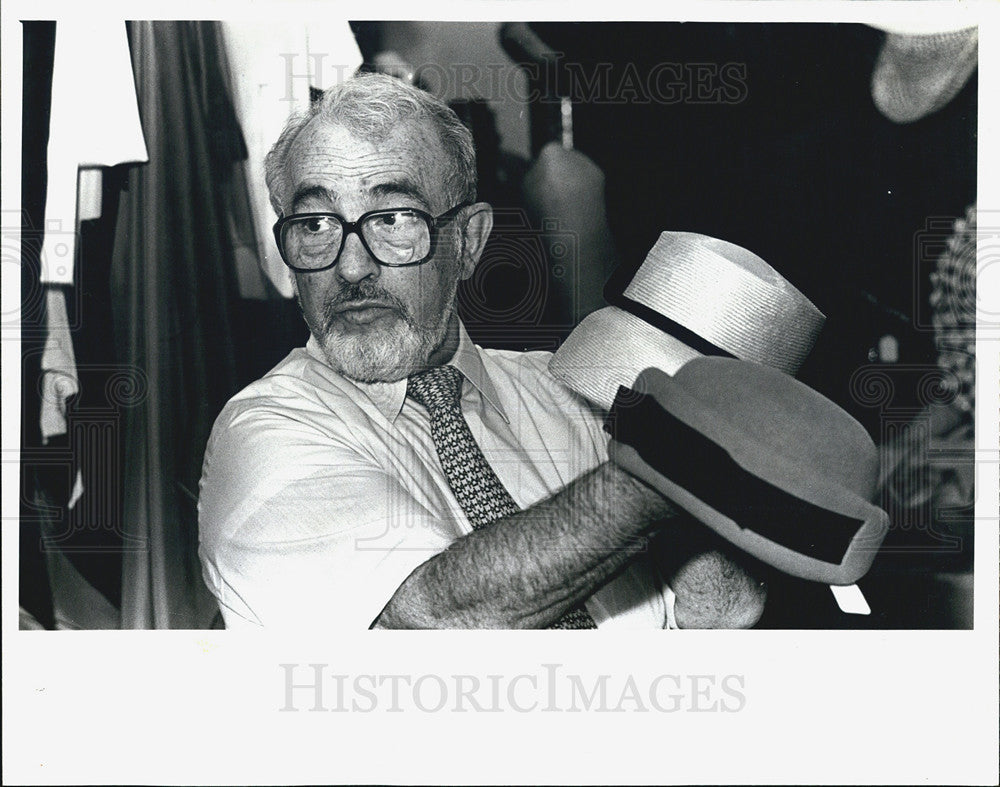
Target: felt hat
(768, 463)
(693, 295)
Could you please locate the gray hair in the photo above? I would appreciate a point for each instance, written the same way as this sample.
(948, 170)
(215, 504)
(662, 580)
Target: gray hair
(371, 106)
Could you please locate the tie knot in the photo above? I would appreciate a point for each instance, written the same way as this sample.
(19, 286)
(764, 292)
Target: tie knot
(437, 388)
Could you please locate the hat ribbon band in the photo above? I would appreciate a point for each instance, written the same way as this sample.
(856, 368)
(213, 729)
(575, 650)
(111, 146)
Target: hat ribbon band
(705, 469)
(663, 323)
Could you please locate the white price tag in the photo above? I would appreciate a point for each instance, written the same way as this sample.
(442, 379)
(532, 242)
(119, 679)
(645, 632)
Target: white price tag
(850, 599)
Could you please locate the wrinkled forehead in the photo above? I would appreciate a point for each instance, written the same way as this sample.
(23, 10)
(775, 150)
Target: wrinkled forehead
(408, 159)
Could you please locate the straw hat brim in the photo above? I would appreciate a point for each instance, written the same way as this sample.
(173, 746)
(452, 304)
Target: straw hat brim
(609, 348)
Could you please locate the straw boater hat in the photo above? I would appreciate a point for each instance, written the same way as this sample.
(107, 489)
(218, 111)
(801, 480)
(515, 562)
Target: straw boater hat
(770, 464)
(693, 295)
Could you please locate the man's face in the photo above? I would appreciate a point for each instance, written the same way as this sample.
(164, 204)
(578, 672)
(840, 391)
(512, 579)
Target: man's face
(376, 323)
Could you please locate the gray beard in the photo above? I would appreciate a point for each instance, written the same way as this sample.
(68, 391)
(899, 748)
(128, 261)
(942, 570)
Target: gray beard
(385, 354)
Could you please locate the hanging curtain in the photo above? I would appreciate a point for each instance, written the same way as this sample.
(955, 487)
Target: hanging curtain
(174, 291)
(34, 592)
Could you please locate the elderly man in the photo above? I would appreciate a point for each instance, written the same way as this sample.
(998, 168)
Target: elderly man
(391, 473)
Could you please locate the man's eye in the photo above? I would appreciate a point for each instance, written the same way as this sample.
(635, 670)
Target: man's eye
(398, 220)
(316, 225)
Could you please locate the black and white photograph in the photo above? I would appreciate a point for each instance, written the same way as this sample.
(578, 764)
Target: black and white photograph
(321, 329)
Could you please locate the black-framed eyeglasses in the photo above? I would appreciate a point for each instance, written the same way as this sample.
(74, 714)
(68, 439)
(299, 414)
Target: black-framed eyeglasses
(395, 237)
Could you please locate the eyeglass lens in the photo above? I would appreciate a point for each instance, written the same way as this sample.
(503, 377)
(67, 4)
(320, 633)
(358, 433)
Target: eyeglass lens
(393, 237)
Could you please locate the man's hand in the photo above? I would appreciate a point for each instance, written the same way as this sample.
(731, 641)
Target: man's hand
(714, 591)
(716, 585)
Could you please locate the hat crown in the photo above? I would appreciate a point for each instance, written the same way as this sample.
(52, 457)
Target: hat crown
(692, 295)
(765, 461)
(730, 297)
(766, 418)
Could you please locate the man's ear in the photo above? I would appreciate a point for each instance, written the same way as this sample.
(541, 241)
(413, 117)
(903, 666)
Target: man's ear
(477, 229)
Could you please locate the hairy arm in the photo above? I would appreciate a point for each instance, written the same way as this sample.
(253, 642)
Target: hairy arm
(528, 569)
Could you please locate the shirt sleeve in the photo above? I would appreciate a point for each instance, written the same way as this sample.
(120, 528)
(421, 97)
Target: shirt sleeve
(300, 529)
(635, 599)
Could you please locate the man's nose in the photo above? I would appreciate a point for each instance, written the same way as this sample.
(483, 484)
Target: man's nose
(355, 262)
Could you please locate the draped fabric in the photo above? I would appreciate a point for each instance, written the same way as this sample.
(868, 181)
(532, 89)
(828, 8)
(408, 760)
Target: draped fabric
(71, 549)
(174, 290)
(34, 592)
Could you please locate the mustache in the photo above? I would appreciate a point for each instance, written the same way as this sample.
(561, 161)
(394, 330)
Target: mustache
(362, 292)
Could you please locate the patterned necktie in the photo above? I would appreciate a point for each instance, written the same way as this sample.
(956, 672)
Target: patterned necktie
(479, 491)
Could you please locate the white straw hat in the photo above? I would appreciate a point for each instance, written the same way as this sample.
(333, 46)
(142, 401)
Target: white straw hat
(692, 296)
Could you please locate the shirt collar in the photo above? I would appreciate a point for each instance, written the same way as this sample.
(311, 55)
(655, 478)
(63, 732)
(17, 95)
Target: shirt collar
(469, 362)
(388, 398)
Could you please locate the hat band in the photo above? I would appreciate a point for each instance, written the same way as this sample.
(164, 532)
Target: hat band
(663, 323)
(705, 469)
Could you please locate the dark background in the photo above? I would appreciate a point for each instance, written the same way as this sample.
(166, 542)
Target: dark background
(804, 171)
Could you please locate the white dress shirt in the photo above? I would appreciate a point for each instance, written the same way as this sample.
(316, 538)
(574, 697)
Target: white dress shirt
(320, 495)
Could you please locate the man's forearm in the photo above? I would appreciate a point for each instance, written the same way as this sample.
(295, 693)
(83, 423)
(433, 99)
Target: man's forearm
(528, 569)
